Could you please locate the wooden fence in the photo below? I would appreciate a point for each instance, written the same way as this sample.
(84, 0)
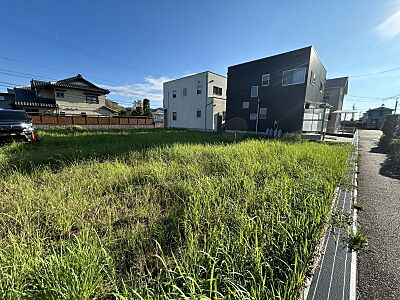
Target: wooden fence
(89, 120)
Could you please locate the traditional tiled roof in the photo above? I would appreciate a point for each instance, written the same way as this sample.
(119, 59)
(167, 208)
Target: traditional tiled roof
(24, 97)
(336, 82)
(381, 108)
(40, 84)
(110, 109)
(69, 83)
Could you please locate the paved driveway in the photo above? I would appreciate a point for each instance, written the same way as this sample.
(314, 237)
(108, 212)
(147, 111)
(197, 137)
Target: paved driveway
(379, 193)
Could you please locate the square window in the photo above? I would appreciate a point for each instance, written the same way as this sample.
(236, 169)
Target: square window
(199, 90)
(253, 116)
(174, 116)
(246, 105)
(217, 91)
(60, 94)
(2, 98)
(254, 91)
(92, 99)
(295, 76)
(173, 94)
(265, 80)
(312, 77)
(198, 113)
(263, 113)
(184, 92)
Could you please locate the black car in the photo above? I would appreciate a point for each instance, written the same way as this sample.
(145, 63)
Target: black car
(15, 125)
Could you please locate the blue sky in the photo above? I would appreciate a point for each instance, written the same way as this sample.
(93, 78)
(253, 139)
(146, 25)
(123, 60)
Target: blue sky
(133, 46)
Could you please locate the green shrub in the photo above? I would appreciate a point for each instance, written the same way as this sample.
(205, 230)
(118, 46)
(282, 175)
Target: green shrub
(390, 126)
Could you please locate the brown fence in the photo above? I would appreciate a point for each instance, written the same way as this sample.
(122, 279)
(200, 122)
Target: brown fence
(89, 120)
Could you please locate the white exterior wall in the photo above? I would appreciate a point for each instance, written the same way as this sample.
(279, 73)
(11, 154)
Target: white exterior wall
(334, 97)
(74, 102)
(186, 107)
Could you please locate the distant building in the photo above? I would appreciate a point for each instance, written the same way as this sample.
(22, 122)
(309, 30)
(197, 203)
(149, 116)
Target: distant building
(374, 118)
(7, 99)
(283, 91)
(335, 90)
(195, 102)
(74, 95)
(158, 115)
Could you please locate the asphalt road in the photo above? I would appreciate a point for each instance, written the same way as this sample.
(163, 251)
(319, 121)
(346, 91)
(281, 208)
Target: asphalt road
(379, 193)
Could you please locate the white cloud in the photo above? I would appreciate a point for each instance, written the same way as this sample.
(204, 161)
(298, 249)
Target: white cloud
(151, 89)
(390, 28)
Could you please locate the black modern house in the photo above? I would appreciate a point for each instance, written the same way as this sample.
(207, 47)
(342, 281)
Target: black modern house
(279, 91)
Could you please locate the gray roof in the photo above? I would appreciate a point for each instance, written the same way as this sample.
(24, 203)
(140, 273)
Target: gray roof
(25, 97)
(69, 83)
(336, 82)
(381, 108)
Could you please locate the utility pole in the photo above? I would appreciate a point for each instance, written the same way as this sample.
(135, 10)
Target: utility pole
(395, 107)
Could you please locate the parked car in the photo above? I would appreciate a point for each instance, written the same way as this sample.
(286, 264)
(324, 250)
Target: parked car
(15, 125)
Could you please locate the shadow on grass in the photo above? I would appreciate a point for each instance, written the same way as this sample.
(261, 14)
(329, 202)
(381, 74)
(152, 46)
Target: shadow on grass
(60, 148)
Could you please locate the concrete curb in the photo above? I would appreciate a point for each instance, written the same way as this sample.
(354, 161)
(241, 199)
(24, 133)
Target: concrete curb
(353, 270)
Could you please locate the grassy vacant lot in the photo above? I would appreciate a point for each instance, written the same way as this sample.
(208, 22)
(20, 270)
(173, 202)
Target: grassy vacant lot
(162, 215)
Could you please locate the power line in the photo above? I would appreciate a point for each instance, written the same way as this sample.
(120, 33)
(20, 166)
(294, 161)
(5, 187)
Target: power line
(54, 69)
(372, 98)
(374, 73)
(62, 44)
(29, 75)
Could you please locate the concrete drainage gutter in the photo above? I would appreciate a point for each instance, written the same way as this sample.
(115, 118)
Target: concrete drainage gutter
(335, 271)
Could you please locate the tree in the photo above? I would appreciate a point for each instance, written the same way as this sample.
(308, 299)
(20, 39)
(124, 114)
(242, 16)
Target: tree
(146, 108)
(137, 108)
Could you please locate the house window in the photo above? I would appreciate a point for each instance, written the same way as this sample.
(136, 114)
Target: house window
(92, 99)
(254, 91)
(253, 116)
(83, 114)
(62, 113)
(246, 105)
(217, 91)
(263, 113)
(313, 78)
(265, 80)
(198, 113)
(174, 116)
(173, 94)
(321, 87)
(2, 98)
(295, 76)
(199, 90)
(184, 92)
(60, 94)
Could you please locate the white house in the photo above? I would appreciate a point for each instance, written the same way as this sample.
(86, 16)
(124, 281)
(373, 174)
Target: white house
(158, 115)
(195, 102)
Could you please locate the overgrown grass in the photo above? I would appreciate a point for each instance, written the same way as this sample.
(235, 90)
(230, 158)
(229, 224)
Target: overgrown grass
(162, 215)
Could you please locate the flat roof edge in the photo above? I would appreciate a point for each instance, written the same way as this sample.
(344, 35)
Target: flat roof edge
(187, 76)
